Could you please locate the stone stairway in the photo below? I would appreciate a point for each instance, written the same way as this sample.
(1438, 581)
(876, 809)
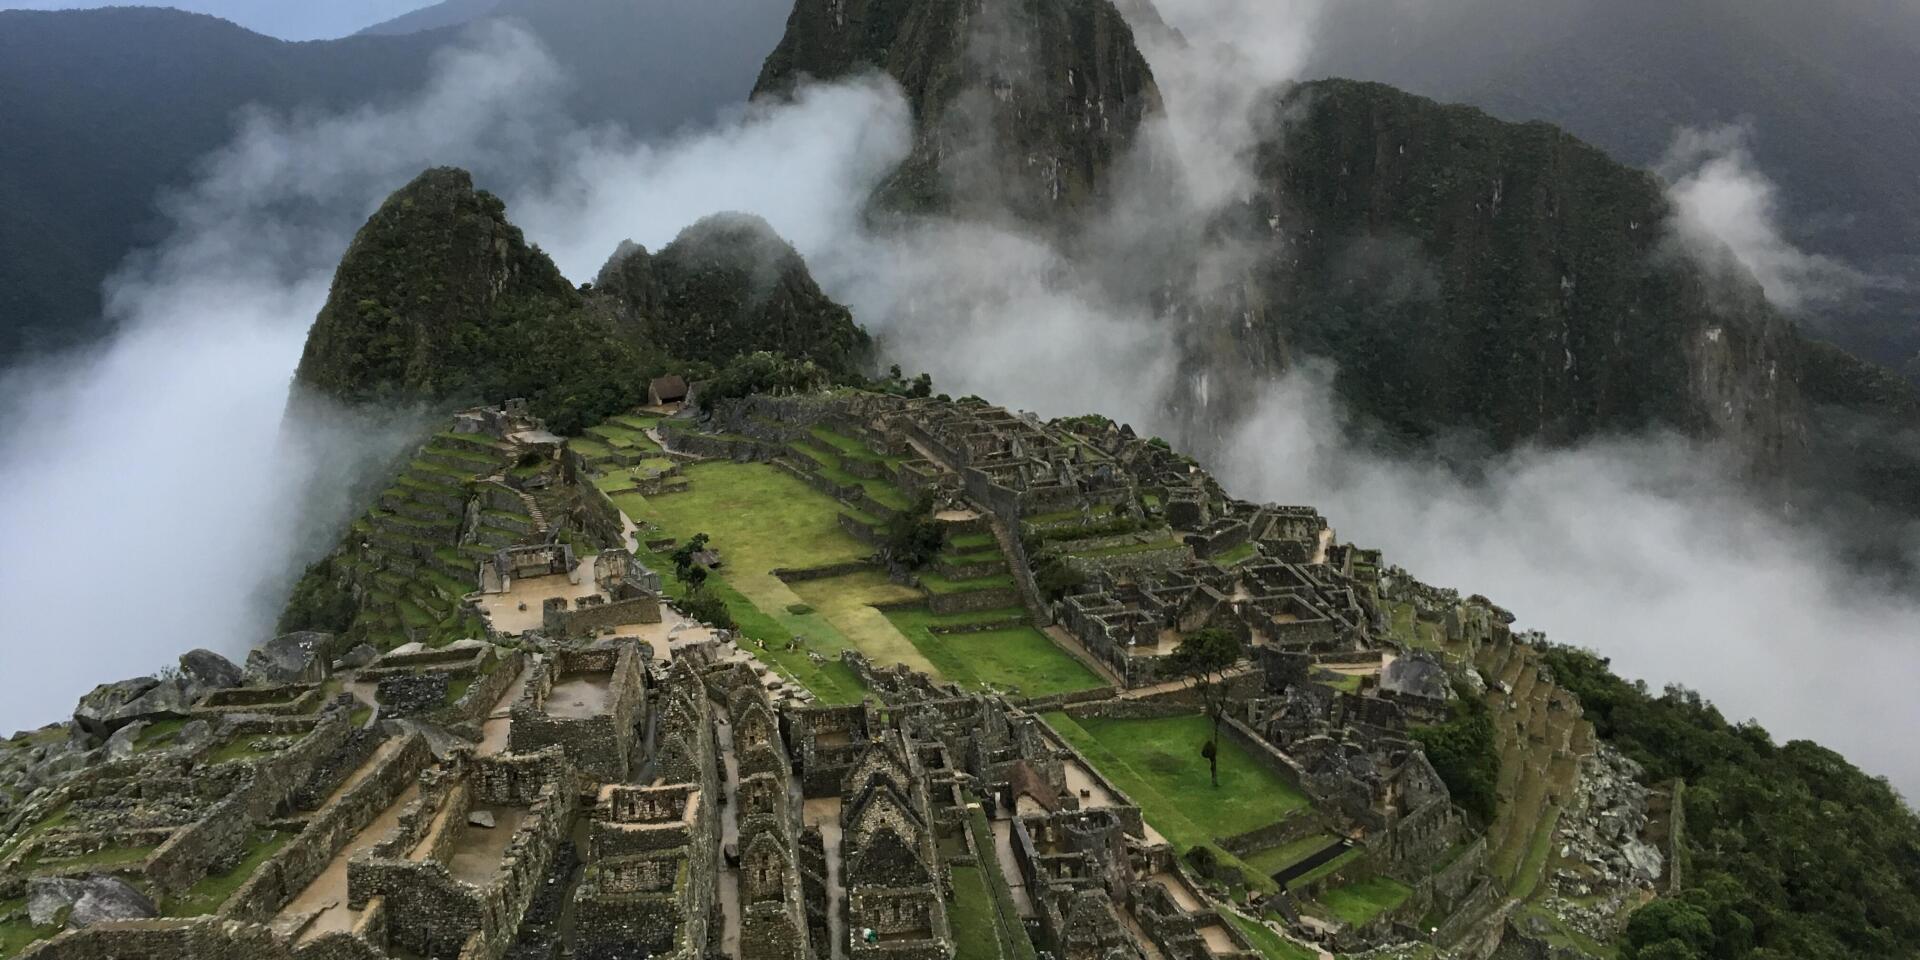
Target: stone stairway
(534, 511)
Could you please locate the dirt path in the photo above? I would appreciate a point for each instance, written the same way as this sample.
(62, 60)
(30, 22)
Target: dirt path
(1067, 641)
(824, 813)
(495, 731)
(326, 896)
(729, 838)
(1009, 871)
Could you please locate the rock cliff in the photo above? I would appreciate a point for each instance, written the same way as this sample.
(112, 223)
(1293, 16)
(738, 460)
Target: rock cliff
(1021, 107)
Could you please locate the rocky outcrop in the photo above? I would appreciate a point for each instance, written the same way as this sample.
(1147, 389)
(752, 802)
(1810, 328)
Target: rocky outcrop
(290, 658)
(111, 706)
(84, 902)
(1021, 107)
(207, 670)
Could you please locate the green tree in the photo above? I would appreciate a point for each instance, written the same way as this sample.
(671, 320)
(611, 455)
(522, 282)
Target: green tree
(914, 537)
(1206, 657)
(683, 562)
(1463, 752)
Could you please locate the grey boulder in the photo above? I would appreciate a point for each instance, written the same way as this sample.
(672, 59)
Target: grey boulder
(88, 901)
(289, 658)
(111, 706)
(207, 671)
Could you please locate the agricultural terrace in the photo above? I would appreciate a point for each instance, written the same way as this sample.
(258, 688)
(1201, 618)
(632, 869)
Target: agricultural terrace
(762, 518)
(1158, 763)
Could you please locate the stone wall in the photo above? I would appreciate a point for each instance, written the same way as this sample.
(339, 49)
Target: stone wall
(974, 601)
(185, 859)
(432, 913)
(413, 694)
(303, 859)
(1298, 826)
(588, 619)
(594, 511)
(1168, 560)
(204, 938)
(600, 745)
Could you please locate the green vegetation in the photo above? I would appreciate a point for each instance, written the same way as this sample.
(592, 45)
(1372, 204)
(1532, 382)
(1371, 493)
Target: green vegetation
(1159, 764)
(104, 857)
(1205, 657)
(1343, 682)
(1326, 869)
(18, 934)
(1014, 944)
(1359, 902)
(1270, 944)
(1238, 555)
(1463, 752)
(1015, 658)
(935, 583)
(239, 748)
(1791, 851)
(211, 892)
(976, 924)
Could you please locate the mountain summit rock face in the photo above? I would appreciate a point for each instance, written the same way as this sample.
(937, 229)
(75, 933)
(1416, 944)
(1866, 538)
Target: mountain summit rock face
(440, 301)
(1021, 107)
(730, 279)
(1505, 280)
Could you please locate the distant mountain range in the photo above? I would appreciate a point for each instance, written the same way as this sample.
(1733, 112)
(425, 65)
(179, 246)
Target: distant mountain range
(103, 110)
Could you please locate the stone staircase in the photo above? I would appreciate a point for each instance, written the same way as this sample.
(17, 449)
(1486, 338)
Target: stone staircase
(534, 512)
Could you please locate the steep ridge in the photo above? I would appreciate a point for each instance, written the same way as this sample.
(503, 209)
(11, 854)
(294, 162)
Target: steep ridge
(726, 280)
(1021, 106)
(1505, 279)
(440, 302)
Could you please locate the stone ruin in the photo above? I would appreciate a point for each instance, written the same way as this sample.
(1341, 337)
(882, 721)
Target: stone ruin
(564, 793)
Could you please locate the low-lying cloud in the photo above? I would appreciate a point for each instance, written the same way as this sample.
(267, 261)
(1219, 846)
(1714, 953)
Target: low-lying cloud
(1644, 550)
(1727, 215)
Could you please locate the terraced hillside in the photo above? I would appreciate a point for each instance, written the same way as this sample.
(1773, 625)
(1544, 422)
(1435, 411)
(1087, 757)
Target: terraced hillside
(797, 534)
(405, 566)
(1542, 739)
(409, 564)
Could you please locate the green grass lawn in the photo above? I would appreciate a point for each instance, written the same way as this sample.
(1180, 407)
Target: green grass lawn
(760, 519)
(976, 928)
(973, 541)
(624, 437)
(1358, 903)
(1237, 556)
(1019, 657)
(20, 934)
(1158, 763)
(1129, 549)
(849, 447)
(1271, 945)
(1275, 859)
(1346, 683)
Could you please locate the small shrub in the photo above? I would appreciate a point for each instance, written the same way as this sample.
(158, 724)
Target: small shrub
(799, 609)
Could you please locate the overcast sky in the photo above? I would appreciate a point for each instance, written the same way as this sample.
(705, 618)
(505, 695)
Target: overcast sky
(286, 19)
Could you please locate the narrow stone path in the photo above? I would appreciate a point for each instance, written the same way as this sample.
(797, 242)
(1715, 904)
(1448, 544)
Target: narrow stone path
(730, 910)
(824, 813)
